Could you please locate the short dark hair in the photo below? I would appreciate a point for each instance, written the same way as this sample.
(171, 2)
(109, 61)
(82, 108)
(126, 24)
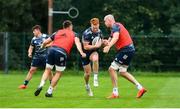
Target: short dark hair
(67, 23)
(36, 27)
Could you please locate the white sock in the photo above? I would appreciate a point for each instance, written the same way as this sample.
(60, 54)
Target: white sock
(42, 83)
(115, 91)
(50, 90)
(95, 75)
(139, 86)
(87, 86)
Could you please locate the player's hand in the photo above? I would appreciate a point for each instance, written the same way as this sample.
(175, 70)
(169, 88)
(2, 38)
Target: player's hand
(98, 45)
(83, 55)
(105, 42)
(42, 45)
(106, 49)
(30, 55)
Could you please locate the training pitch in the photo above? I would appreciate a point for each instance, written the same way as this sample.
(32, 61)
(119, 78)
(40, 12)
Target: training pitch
(163, 91)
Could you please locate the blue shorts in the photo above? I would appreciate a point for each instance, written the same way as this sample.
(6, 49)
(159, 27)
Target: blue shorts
(125, 55)
(57, 56)
(39, 61)
(124, 58)
(86, 60)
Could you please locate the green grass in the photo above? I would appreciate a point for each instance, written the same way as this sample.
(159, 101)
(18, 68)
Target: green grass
(163, 91)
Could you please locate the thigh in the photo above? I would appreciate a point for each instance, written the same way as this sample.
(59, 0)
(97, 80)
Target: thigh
(43, 61)
(87, 68)
(36, 62)
(85, 61)
(50, 57)
(60, 59)
(94, 56)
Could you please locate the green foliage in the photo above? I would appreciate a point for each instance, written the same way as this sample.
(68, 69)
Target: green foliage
(151, 18)
(15, 15)
(139, 16)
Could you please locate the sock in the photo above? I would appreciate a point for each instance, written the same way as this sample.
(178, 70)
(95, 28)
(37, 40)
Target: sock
(87, 86)
(95, 75)
(26, 82)
(42, 83)
(50, 90)
(115, 91)
(139, 86)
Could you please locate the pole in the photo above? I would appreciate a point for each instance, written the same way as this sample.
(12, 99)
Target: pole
(50, 16)
(6, 52)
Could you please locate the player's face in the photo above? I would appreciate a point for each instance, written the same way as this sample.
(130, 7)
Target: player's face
(71, 27)
(107, 23)
(35, 32)
(95, 28)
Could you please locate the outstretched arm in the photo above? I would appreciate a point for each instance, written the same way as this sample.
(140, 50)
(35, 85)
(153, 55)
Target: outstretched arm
(79, 47)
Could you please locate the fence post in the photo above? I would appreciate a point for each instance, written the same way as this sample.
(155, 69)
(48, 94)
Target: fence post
(6, 35)
(23, 52)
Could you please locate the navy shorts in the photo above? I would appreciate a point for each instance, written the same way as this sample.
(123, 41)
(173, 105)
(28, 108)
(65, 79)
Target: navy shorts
(86, 60)
(57, 56)
(39, 62)
(124, 57)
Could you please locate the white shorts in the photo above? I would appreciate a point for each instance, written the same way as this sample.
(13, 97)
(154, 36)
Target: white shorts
(116, 66)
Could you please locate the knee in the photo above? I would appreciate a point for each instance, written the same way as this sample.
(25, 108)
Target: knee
(87, 73)
(122, 73)
(95, 58)
(110, 69)
(123, 70)
(32, 71)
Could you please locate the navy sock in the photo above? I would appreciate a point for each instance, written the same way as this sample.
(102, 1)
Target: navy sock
(26, 82)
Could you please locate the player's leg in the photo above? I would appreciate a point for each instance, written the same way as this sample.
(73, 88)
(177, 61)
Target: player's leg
(133, 80)
(44, 59)
(87, 74)
(50, 77)
(114, 80)
(126, 59)
(60, 66)
(32, 70)
(47, 72)
(54, 82)
(94, 57)
(45, 76)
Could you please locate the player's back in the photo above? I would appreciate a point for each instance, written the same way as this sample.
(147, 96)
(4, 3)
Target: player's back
(124, 36)
(64, 38)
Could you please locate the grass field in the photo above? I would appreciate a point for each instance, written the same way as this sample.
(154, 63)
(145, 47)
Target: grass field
(163, 91)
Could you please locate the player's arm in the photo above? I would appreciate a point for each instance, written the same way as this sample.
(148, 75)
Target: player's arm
(47, 41)
(30, 50)
(115, 36)
(87, 46)
(79, 47)
(106, 41)
(49, 44)
(112, 42)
